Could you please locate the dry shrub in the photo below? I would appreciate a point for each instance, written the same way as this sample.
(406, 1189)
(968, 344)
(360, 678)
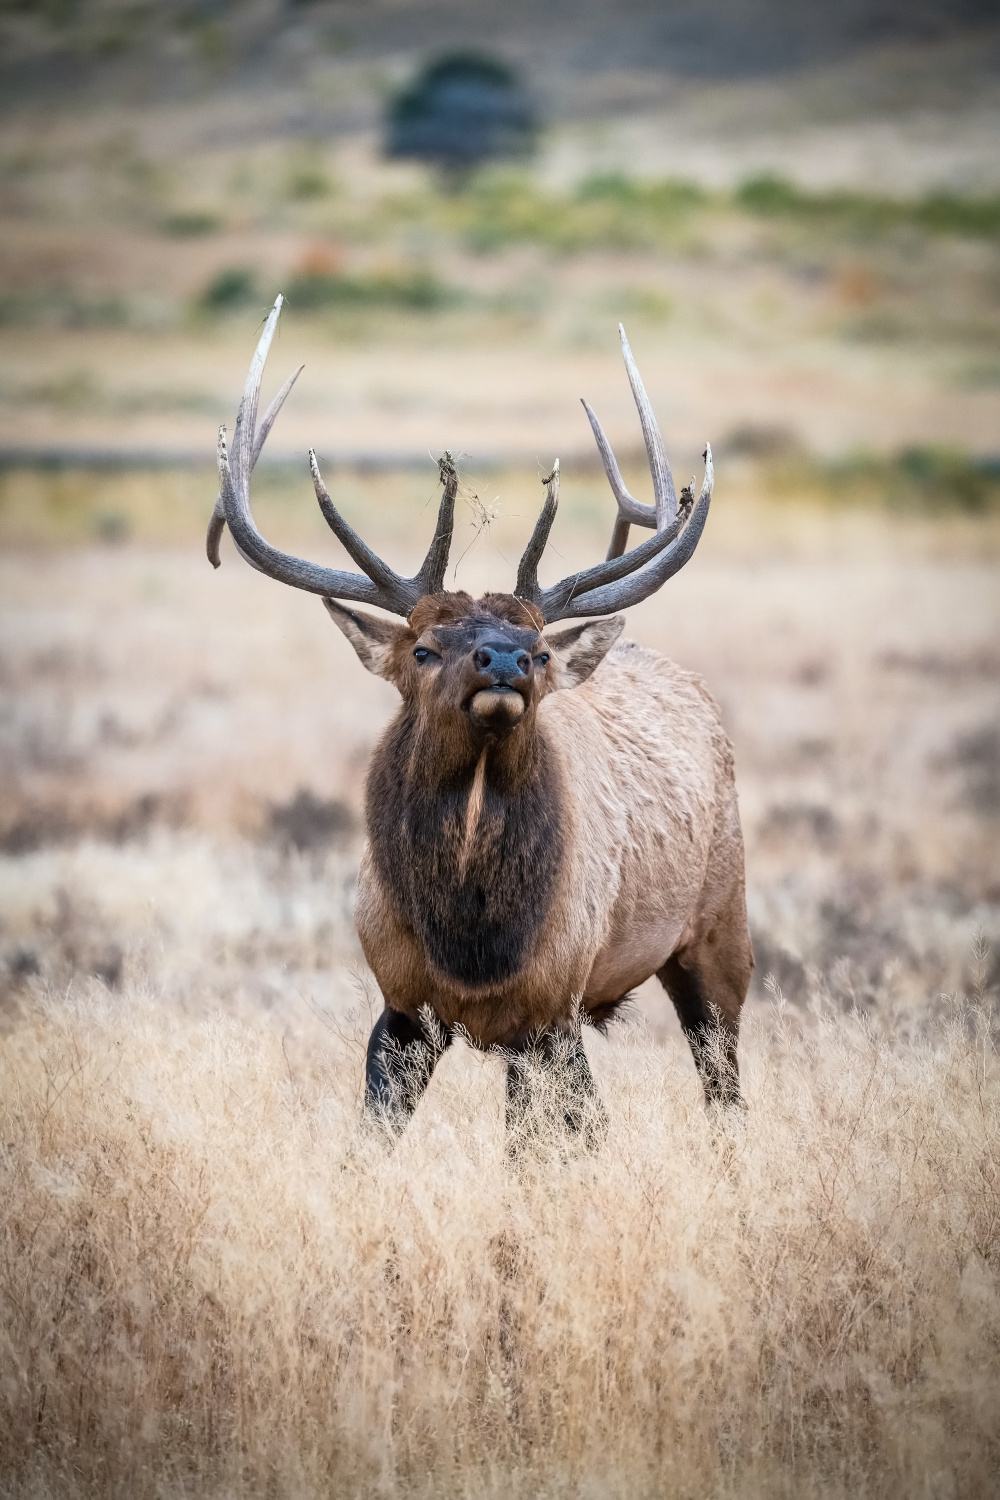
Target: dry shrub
(212, 1284)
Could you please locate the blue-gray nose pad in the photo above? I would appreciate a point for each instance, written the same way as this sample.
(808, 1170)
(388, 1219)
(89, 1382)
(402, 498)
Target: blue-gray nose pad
(505, 667)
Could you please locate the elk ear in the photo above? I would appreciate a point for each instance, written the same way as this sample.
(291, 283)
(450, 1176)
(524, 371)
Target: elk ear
(581, 649)
(373, 639)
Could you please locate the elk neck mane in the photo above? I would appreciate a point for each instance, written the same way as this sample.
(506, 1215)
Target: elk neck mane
(468, 842)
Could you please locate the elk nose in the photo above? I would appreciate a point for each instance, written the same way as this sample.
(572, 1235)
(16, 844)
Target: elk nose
(502, 664)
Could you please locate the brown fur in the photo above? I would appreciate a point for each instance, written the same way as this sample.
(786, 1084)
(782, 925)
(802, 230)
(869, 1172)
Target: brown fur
(512, 878)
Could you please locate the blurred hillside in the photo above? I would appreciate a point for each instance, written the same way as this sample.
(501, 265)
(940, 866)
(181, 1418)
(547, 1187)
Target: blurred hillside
(589, 57)
(714, 73)
(795, 211)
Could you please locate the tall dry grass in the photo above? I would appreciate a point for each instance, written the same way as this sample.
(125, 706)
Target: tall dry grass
(213, 1285)
(210, 1285)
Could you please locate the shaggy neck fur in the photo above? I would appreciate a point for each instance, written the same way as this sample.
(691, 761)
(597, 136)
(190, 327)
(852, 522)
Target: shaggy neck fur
(467, 841)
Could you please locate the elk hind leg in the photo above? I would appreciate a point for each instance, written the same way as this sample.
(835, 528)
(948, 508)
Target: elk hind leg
(707, 981)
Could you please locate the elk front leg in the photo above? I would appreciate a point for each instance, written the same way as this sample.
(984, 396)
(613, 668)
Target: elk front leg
(549, 1084)
(402, 1055)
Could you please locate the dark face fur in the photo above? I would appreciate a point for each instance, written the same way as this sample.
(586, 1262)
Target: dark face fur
(463, 800)
(477, 670)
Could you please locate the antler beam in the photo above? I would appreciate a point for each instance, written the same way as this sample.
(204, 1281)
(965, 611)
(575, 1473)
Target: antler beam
(378, 584)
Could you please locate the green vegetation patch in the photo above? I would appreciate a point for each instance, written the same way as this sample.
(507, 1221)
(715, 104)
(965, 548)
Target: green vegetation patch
(307, 176)
(230, 290)
(937, 213)
(496, 207)
(928, 480)
(191, 223)
(412, 288)
(417, 289)
(499, 207)
(607, 212)
(63, 307)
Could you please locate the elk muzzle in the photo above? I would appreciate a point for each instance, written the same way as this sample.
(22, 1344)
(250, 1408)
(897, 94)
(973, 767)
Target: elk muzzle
(504, 673)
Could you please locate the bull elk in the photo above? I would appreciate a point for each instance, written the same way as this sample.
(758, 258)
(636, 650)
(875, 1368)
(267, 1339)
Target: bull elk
(551, 816)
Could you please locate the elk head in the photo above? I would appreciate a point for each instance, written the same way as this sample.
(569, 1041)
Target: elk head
(478, 666)
(474, 670)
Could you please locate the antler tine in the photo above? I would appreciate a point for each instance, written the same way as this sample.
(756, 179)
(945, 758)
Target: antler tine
(623, 590)
(216, 527)
(609, 571)
(430, 577)
(629, 508)
(622, 578)
(242, 458)
(626, 578)
(381, 587)
(271, 415)
(370, 562)
(328, 582)
(526, 586)
(246, 451)
(217, 524)
(664, 494)
(619, 539)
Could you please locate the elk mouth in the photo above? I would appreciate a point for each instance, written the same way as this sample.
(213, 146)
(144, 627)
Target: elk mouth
(496, 708)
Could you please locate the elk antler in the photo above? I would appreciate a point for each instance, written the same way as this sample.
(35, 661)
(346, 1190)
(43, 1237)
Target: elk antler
(622, 580)
(377, 584)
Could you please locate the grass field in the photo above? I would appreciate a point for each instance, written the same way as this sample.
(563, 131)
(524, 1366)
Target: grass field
(211, 1285)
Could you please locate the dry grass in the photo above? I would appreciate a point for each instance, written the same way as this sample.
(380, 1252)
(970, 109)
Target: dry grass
(211, 1285)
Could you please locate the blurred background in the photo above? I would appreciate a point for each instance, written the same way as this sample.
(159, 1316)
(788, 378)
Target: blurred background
(795, 211)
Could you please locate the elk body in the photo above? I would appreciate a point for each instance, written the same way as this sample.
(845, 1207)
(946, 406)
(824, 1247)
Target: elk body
(551, 817)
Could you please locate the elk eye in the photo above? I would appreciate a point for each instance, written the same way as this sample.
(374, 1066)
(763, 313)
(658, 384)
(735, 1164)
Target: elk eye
(422, 653)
